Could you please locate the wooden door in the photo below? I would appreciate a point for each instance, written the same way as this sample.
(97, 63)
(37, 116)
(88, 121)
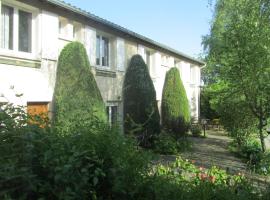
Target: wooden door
(38, 112)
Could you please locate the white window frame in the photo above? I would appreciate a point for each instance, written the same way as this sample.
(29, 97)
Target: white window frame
(110, 114)
(70, 31)
(164, 60)
(35, 43)
(100, 51)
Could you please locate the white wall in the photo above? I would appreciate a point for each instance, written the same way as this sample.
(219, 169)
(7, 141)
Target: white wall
(37, 84)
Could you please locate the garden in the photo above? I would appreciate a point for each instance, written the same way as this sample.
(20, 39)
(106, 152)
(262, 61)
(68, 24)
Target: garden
(78, 155)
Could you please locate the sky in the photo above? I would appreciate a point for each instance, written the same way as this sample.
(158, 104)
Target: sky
(179, 24)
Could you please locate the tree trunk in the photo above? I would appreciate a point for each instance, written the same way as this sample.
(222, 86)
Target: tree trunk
(261, 134)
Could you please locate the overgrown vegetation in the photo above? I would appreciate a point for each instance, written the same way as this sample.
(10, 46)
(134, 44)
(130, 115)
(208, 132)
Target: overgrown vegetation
(141, 115)
(77, 97)
(96, 162)
(175, 107)
(238, 65)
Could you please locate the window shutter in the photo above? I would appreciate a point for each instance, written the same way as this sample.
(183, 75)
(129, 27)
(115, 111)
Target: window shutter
(120, 54)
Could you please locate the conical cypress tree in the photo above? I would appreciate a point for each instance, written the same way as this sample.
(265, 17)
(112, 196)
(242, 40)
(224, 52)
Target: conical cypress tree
(175, 107)
(141, 115)
(77, 98)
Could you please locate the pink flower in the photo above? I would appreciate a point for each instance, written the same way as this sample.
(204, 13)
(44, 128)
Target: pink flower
(203, 176)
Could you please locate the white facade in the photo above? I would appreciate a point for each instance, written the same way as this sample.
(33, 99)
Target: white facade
(28, 70)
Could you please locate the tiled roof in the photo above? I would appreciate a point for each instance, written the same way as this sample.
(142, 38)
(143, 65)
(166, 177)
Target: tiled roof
(105, 22)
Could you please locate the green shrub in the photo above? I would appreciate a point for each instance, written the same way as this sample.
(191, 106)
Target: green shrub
(95, 162)
(196, 130)
(183, 180)
(77, 97)
(175, 106)
(141, 115)
(264, 166)
(166, 144)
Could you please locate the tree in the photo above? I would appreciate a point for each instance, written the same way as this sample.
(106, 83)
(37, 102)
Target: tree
(141, 115)
(238, 52)
(77, 97)
(175, 107)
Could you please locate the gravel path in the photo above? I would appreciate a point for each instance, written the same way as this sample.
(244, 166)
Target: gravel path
(213, 150)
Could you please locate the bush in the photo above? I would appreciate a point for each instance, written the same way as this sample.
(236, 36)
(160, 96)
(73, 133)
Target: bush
(175, 106)
(264, 166)
(97, 162)
(39, 163)
(77, 97)
(196, 130)
(141, 115)
(251, 150)
(166, 144)
(183, 180)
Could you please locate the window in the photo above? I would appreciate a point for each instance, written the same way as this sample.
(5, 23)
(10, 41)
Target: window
(77, 31)
(112, 115)
(164, 60)
(63, 27)
(25, 31)
(102, 51)
(7, 27)
(16, 29)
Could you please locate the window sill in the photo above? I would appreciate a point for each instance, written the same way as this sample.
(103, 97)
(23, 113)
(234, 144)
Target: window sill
(22, 62)
(18, 54)
(67, 39)
(105, 73)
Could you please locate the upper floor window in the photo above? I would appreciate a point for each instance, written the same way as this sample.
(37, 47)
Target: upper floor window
(16, 29)
(164, 60)
(63, 27)
(102, 51)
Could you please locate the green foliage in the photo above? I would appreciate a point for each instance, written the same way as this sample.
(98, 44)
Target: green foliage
(235, 116)
(183, 180)
(238, 50)
(141, 115)
(264, 166)
(206, 110)
(77, 97)
(175, 106)
(166, 144)
(95, 162)
(196, 130)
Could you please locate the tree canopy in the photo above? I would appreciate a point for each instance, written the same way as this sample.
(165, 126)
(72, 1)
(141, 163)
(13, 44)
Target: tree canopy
(238, 57)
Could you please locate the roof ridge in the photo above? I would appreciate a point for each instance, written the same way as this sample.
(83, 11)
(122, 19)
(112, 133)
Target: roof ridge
(94, 17)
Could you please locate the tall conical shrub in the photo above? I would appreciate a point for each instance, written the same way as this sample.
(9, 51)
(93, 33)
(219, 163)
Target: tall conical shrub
(77, 98)
(175, 107)
(141, 115)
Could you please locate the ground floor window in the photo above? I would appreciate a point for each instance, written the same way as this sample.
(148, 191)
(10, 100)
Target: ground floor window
(112, 114)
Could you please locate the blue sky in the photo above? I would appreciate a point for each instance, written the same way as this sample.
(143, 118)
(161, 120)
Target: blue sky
(179, 24)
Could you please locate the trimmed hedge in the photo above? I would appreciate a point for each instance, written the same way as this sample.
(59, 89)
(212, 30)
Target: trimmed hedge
(77, 97)
(175, 107)
(141, 115)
